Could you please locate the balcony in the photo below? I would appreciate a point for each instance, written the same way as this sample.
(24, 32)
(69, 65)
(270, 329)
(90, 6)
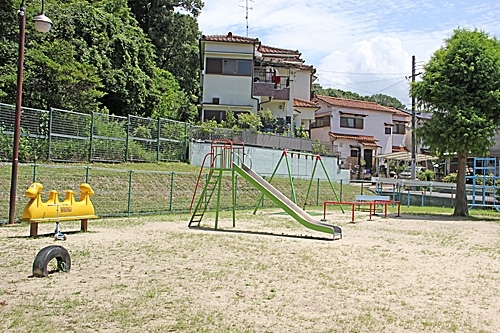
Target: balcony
(268, 84)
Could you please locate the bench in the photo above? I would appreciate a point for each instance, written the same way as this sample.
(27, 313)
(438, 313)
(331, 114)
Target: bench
(379, 199)
(53, 210)
(371, 200)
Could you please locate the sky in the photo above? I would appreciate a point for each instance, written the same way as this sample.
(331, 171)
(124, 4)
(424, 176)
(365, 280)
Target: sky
(360, 46)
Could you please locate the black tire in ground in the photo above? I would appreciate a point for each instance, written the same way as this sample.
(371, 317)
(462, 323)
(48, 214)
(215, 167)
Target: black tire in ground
(42, 259)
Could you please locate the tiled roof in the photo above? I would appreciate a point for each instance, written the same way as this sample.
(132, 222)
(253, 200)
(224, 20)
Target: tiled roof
(351, 103)
(274, 50)
(369, 144)
(230, 38)
(298, 102)
(364, 138)
(396, 149)
(398, 112)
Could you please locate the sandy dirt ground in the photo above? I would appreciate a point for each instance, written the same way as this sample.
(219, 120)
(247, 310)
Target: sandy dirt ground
(269, 274)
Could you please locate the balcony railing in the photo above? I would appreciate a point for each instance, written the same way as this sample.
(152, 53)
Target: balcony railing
(271, 84)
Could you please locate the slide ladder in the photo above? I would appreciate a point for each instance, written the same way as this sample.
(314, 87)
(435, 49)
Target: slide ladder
(213, 182)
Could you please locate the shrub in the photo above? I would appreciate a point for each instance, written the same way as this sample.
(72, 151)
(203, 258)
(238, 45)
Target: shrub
(268, 119)
(427, 175)
(451, 178)
(249, 120)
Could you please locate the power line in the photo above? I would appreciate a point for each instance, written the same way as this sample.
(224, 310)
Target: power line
(357, 73)
(372, 81)
(362, 90)
(392, 85)
(343, 85)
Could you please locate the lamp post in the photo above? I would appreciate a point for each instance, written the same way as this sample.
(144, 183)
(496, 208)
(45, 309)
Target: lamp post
(42, 24)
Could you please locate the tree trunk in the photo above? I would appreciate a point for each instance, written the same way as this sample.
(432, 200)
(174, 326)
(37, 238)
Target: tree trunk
(461, 208)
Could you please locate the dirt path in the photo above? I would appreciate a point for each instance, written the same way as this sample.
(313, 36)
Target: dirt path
(153, 274)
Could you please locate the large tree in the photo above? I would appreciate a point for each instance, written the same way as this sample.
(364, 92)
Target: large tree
(95, 57)
(461, 86)
(173, 29)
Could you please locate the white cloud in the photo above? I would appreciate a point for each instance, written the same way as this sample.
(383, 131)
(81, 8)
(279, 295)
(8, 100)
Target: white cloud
(369, 37)
(369, 67)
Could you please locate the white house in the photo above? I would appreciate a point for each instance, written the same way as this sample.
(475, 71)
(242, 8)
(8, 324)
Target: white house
(357, 130)
(242, 75)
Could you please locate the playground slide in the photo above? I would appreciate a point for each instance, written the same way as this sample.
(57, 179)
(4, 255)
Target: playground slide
(288, 205)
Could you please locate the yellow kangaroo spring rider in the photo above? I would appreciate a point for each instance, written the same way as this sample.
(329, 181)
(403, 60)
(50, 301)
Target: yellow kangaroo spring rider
(54, 210)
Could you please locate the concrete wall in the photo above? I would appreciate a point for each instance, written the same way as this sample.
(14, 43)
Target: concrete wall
(264, 161)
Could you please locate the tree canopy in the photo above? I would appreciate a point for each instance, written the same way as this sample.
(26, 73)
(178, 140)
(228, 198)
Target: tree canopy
(96, 57)
(461, 86)
(381, 99)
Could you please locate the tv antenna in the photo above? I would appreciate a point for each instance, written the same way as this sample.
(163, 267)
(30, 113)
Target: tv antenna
(246, 10)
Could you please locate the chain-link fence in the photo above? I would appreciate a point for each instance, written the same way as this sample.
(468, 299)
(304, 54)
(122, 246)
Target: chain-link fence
(66, 136)
(121, 192)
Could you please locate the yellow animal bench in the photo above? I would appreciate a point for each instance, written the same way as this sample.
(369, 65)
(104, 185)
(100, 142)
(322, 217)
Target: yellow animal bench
(54, 210)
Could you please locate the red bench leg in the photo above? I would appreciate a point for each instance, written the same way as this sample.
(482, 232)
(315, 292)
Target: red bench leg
(84, 224)
(33, 229)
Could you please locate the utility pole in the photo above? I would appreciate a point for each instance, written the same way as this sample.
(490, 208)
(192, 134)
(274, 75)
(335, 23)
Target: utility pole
(413, 122)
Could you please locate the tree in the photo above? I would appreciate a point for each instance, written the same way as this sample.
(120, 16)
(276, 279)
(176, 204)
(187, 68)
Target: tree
(95, 57)
(461, 86)
(381, 99)
(387, 101)
(174, 35)
(59, 80)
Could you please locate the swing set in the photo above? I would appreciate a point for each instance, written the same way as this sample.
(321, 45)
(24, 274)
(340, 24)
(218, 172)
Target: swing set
(317, 160)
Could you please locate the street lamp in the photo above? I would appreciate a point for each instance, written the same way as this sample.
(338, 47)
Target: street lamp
(42, 24)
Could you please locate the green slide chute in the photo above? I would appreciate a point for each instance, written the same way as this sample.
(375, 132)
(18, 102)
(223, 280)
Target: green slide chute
(285, 203)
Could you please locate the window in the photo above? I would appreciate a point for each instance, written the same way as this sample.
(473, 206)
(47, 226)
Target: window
(399, 128)
(388, 130)
(354, 152)
(214, 66)
(321, 122)
(226, 66)
(218, 115)
(351, 122)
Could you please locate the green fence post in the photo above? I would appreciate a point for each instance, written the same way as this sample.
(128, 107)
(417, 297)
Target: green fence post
(158, 141)
(171, 190)
(186, 141)
(50, 134)
(235, 188)
(87, 168)
(317, 194)
(34, 172)
(129, 191)
(262, 200)
(126, 138)
(91, 139)
(341, 187)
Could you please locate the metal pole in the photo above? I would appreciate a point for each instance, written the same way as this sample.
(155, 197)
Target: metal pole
(129, 194)
(17, 124)
(413, 123)
(171, 191)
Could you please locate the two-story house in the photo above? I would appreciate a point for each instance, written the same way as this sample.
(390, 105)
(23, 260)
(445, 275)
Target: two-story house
(359, 130)
(242, 75)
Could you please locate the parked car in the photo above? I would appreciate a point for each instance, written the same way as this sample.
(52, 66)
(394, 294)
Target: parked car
(406, 173)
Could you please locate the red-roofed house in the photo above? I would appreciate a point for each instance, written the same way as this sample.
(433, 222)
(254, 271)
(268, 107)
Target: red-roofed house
(358, 130)
(242, 75)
